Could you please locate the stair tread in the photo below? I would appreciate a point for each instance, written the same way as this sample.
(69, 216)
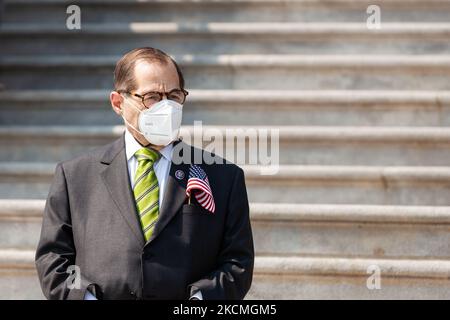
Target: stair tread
(307, 2)
(411, 268)
(297, 96)
(285, 265)
(415, 29)
(248, 60)
(277, 212)
(375, 174)
(386, 133)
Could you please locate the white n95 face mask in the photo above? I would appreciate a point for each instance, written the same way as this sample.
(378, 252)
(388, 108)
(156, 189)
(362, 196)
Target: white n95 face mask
(160, 124)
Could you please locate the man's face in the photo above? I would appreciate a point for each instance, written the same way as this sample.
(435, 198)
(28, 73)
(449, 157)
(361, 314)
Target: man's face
(149, 77)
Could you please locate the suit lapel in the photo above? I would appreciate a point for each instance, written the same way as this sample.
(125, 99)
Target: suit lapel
(174, 195)
(116, 179)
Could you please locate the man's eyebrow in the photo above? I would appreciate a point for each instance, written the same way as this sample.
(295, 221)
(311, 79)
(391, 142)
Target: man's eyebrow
(155, 90)
(149, 90)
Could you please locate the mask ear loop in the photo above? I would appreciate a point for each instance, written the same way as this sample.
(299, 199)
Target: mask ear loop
(123, 117)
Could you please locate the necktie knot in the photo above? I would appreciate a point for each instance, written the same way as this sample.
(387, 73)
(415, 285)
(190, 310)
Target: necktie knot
(147, 154)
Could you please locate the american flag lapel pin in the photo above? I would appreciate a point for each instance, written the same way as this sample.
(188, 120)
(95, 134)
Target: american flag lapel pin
(198, 184)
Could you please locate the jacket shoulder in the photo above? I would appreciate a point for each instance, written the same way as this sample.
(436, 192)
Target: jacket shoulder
(223, 176)
(91, 156)
(212, 161)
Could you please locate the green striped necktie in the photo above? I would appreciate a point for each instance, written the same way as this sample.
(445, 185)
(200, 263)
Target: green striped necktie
(146, 190)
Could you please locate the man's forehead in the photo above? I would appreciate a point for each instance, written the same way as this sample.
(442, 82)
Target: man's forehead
(156, 77)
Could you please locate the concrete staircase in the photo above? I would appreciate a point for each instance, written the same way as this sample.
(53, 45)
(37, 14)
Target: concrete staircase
(363, 114)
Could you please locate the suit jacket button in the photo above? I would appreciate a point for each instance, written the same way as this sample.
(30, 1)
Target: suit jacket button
(132, 293)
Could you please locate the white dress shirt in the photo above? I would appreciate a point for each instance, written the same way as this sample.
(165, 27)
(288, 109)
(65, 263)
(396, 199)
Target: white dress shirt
(162, 169)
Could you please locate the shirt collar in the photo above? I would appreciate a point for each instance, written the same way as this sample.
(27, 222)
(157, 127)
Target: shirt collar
(131, 146)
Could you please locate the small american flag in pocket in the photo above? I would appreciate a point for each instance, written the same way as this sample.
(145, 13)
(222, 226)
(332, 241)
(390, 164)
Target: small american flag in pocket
(198, 185)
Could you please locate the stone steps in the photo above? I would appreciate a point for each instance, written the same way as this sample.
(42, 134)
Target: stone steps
(351, 230)
(240, 107)
(287, 277)
(309, 145)
(18, 276)
(413, 186)
(20, 223)
(295, 277)
(300, 72)
(350, 185)
(304, 229)
(222, 10)
(362, 114)
(178, 38)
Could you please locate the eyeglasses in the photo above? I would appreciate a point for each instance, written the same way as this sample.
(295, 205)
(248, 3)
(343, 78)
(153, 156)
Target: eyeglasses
(152, 97)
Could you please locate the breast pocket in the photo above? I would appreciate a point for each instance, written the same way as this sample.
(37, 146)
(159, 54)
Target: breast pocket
(196, 220)
(200, 240)
(192, 208)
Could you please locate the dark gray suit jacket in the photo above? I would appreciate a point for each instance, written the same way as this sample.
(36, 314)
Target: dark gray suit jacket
(90, 221)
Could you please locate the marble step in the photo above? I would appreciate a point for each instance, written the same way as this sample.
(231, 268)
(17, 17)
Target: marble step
(221, 10)
(179, 38)
(239, 107)
(298, 277)
(243, 72)
(409, 186)
(309, 145)
(288, 277)
(287, 228)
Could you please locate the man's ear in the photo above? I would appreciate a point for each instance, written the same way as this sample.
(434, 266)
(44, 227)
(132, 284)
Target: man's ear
(116, 102)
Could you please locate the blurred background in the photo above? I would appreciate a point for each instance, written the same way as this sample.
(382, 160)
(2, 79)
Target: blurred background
(360, 206)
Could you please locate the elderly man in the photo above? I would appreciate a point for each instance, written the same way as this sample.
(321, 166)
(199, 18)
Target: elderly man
(127, 221)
